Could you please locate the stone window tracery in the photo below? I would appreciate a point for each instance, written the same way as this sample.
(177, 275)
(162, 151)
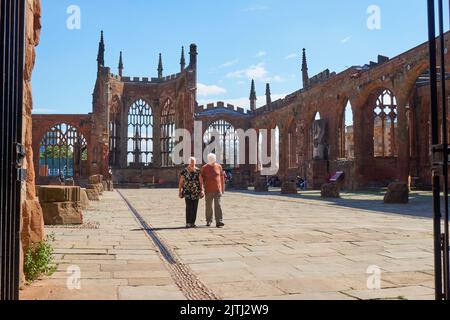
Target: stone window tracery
(62, 150)
(140, 134)
(229, 142)
(385, 125)
(167, 133)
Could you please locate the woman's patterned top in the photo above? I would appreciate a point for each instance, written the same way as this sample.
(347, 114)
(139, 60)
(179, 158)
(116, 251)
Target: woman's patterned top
(191, 184)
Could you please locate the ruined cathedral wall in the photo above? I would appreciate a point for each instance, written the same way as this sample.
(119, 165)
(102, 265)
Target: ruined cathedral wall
(32, 223)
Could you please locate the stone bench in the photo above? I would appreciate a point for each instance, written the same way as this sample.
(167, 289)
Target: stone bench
(61, 205)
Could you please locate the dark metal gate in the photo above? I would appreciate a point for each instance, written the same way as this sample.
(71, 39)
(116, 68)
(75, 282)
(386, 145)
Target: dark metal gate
(441, 152)
(12, 28)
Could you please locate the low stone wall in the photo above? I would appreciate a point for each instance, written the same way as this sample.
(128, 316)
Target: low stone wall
(145, 176)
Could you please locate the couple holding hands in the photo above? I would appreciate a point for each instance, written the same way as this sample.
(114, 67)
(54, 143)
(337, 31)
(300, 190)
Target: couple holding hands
(207, 182)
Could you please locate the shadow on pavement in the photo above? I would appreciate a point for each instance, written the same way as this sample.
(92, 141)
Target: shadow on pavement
(420, 204)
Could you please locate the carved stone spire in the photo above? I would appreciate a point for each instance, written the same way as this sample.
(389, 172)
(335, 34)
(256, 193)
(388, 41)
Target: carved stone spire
(120, 65)
(253, 97)
(101, 52)
(305, 75)
(160, 67)
(268, 95)
(182, 60)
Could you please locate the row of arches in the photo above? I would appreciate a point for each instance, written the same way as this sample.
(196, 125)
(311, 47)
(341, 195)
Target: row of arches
(63, 148)
(385, 128)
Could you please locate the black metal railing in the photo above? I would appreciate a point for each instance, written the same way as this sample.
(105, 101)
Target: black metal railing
(441, 150)
(12, 28)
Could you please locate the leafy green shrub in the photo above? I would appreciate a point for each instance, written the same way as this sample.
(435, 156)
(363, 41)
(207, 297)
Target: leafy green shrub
(39, 260)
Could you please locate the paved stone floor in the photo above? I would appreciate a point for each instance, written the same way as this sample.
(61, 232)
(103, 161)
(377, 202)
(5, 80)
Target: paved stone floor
(273, 247)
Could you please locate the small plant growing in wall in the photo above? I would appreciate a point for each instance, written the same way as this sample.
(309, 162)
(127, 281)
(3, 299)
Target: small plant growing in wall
(38, 260)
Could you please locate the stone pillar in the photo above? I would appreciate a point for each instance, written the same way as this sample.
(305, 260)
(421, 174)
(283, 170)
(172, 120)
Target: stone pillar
(363, 140)
(123, 144)
(333, 136)
(283, 159)
(302, 146)
(157, 158)
(403, 144)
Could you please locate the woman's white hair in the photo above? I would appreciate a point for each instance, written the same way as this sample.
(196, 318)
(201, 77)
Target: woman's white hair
(212, 158)
(192, 159)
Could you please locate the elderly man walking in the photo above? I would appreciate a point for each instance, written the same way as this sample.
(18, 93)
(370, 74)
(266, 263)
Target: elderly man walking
(214, 183)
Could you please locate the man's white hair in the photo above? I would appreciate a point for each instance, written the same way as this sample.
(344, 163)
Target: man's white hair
(212, 158)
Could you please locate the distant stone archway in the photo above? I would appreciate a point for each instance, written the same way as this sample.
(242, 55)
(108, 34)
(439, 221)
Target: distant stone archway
(346, 133)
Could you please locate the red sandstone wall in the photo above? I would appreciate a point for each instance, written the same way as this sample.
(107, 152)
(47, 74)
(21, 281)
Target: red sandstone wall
(32, 223)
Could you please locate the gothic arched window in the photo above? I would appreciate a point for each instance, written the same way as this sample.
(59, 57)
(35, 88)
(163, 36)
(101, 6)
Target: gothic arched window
(167, 133)
(140, 134)
(62, 150)
(228, 142)
(385, 125)
(346, 134)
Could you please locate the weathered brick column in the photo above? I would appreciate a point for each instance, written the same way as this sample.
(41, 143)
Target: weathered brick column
(32, 223)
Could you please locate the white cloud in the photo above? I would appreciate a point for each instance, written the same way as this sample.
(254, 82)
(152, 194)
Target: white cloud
(204, 90)
(261, 54)
(291, 56)
(257, 72)
(229, 63)
(256, 8)
(346, 40)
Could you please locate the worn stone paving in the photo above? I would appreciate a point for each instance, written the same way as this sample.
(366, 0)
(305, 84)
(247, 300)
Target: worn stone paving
(273, 247)
(117, 260)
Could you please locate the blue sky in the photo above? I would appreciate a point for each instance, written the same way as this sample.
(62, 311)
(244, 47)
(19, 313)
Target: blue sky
(237, 40)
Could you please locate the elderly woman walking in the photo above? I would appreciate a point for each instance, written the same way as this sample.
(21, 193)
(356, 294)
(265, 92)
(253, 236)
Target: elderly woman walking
(191, 189)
